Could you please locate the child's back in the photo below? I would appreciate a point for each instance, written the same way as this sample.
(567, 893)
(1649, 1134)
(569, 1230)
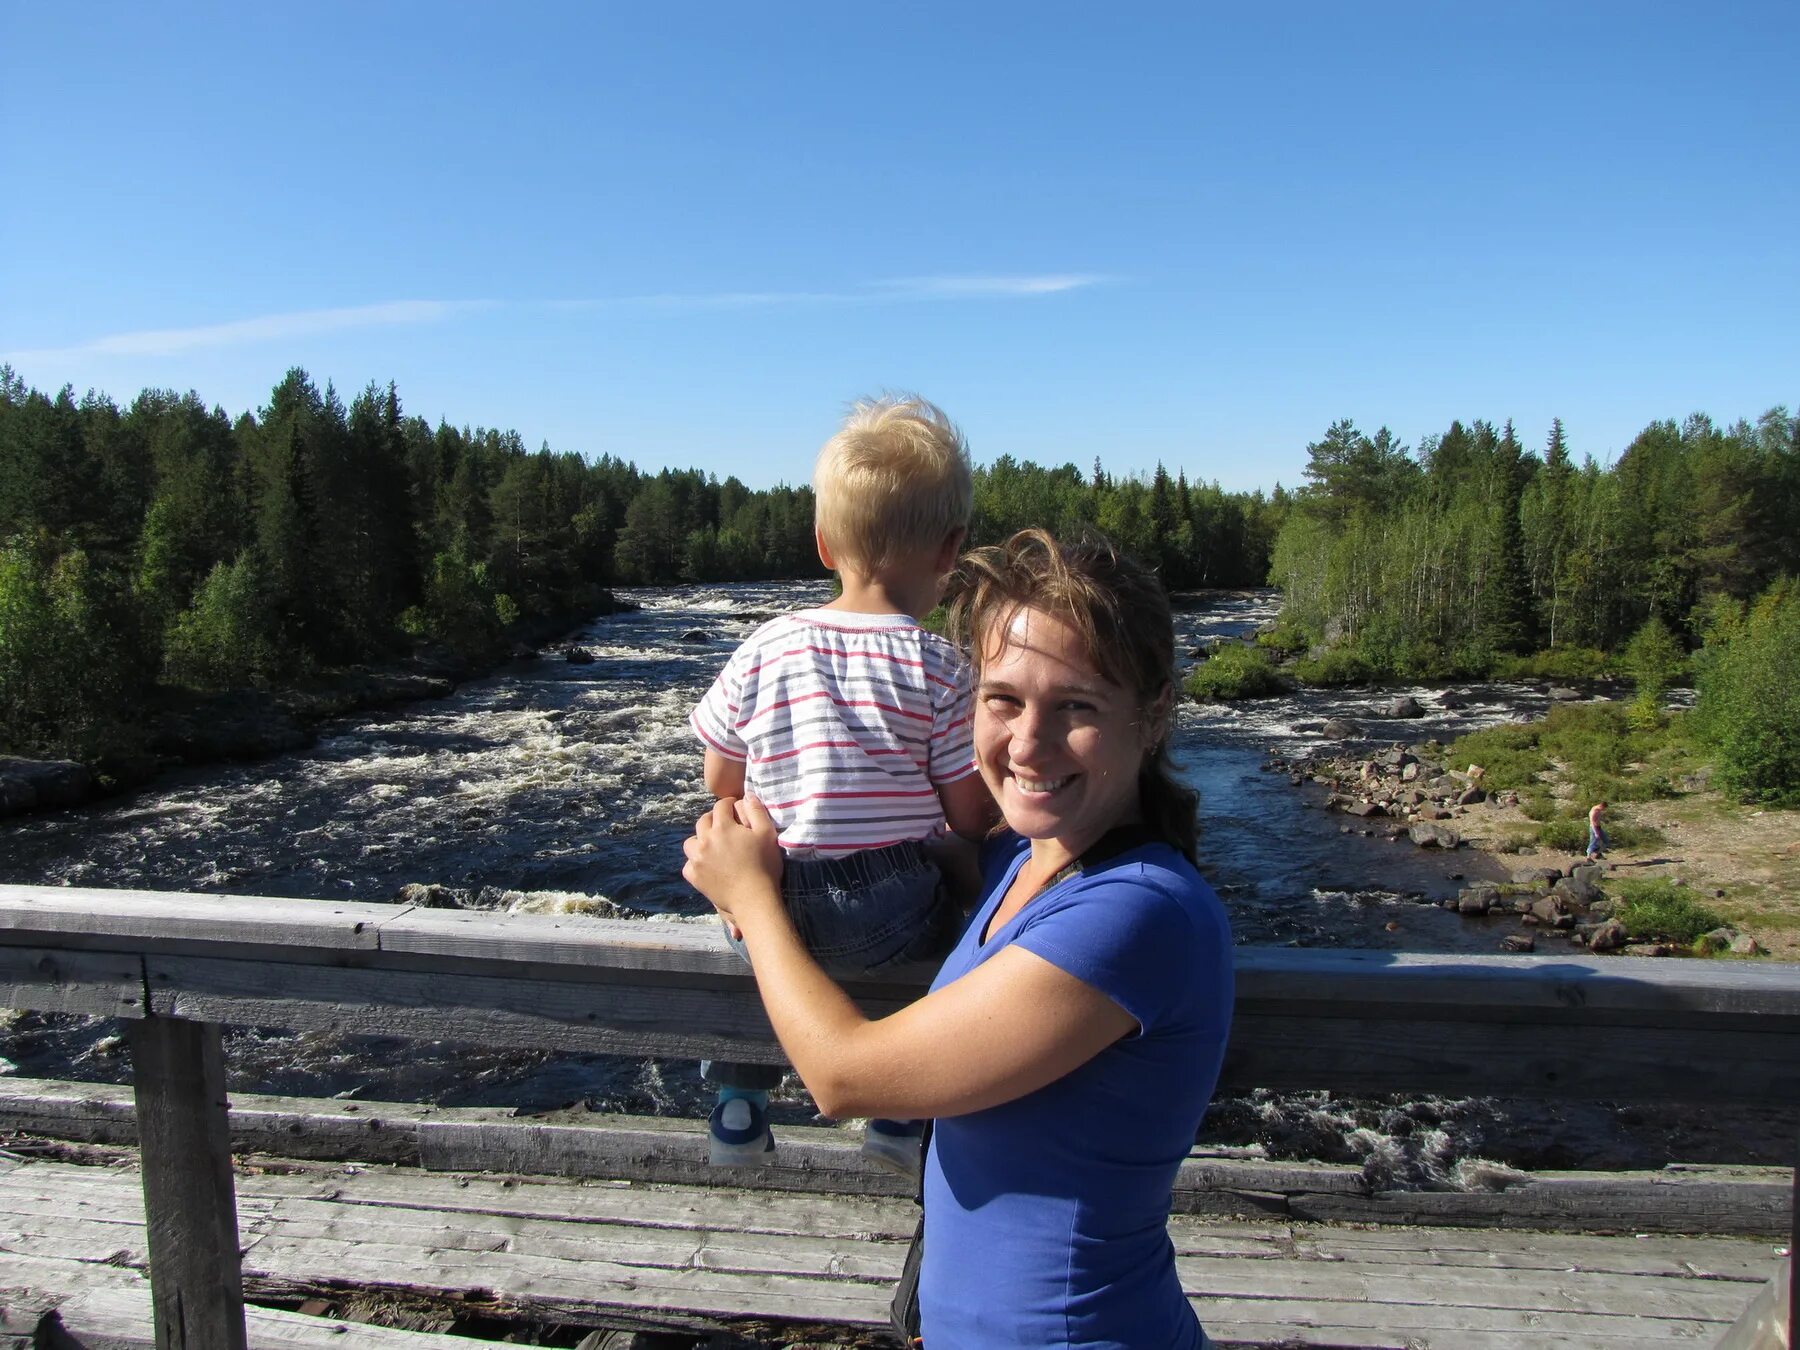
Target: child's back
(852, 724)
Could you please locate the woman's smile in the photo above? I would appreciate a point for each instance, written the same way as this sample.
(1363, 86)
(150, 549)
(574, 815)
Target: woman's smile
(1059, 744)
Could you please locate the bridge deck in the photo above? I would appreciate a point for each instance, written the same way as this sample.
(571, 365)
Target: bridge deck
(774, 1266)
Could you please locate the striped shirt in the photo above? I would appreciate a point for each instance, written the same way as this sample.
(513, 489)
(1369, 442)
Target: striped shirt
(845, 724)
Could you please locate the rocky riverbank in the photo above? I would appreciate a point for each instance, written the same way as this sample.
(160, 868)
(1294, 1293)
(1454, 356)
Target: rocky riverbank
(1410, 793)
(180, 727)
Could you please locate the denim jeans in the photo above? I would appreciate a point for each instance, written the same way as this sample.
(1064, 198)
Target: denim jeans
(857, 915)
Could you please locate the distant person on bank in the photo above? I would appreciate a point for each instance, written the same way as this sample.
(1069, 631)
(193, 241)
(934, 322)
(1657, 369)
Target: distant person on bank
(851, 724)
(1598, 843)
(1069, 1046)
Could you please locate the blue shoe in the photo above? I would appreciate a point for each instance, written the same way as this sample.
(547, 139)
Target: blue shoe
(738, 1134)
(896, 1146)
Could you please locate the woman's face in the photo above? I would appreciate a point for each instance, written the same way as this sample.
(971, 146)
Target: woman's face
(1059, 744)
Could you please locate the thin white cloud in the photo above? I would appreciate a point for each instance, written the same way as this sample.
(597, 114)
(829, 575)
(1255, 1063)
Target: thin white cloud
(312, 322)
(266, 328)
(869, 293)
(981, 288)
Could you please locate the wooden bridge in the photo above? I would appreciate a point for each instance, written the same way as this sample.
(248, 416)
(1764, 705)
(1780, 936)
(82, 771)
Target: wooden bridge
(471, 1216)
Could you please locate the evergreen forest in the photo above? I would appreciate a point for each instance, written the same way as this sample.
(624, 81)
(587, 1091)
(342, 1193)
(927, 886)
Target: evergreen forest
(166, 545)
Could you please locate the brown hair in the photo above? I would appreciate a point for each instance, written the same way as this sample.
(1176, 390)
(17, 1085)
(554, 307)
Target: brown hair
(1119, 610)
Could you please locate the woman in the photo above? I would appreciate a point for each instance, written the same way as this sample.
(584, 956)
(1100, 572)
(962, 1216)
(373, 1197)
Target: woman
(1069, 1045)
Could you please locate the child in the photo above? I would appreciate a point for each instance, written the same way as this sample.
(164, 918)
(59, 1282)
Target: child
(852, 725)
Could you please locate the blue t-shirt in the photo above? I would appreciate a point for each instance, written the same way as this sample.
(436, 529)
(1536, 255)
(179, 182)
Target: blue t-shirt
(1046, 1218)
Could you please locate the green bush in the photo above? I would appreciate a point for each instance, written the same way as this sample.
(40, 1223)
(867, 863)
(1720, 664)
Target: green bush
(1234, 672)
(1284, 640)
(1510, 755)
(1337, 666)
(1660, 910)
(226, 638)
(1749, 706)
(1554, 663)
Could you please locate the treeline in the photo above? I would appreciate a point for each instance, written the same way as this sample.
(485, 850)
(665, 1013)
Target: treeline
(1447, 560)
(166, 543)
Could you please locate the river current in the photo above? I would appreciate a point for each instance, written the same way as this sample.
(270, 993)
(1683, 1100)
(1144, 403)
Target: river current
(553, 783)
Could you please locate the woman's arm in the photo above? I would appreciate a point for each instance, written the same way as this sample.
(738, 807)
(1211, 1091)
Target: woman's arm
(1009, 1027)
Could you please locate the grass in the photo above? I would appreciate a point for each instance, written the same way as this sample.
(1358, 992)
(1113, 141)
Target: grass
(1660, 910)
(1601, 753)
(1235, 672)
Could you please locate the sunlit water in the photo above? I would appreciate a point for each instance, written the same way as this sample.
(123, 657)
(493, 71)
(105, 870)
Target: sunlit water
(562, 781)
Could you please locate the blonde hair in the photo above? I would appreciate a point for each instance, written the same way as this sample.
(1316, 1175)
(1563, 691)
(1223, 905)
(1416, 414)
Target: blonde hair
(894, 480)
(1119, 610)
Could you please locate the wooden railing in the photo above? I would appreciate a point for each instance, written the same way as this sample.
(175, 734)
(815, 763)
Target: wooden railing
(175, 968)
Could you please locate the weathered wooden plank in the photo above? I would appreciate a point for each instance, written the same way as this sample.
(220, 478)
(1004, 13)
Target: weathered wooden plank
(575, 1289)
(138, 920)
(189, 1205)
(622, 1243)
(1562, 990)
(1586, 988)
(1259, 1323)
(1651, 1204)
(685, 1022)
(50, 979)
(1364, 1055)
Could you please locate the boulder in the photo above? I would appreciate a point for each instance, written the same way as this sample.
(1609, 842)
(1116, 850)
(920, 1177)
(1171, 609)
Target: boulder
(1365, 809)
(26, 784)
(1410, 773)
(1405, 707)
(428, 895)
(1398, 759)
(1433, 813)
(1608, 937)
(1540, 877)
(1575, 890)
(1561, 693)
(1433, 836)
(1711, 944)
(1589, 874)
(1469, 796)
(1476, 900)
(1745, 945)
(698, 636)
(1340, 729)
(1452, 702)
(1518, 942)
(578, 656)
(1549, 908)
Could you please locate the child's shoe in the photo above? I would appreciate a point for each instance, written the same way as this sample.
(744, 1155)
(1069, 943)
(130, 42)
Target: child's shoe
(895, 1146)
(738, 1134)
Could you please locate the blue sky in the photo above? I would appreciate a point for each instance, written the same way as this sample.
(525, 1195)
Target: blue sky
(688, 235)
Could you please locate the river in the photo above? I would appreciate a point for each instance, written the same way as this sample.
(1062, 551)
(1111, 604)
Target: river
(554, 782)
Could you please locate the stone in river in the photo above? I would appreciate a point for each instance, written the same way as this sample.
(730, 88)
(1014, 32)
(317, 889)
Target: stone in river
(1608, 937)
(1405, 707)
(1364, 809)
(1518, 942)
(1341, 729)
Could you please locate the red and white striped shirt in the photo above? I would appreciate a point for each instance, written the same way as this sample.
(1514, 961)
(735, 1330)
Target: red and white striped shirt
(846, 724)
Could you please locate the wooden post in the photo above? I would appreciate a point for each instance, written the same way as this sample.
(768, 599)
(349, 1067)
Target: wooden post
(190, 1202)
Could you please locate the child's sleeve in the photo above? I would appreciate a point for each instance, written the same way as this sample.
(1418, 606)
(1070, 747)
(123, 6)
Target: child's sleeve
(715, 717)
(952, 752)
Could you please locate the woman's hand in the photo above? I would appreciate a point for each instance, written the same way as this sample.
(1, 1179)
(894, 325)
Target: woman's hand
(734, 860)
